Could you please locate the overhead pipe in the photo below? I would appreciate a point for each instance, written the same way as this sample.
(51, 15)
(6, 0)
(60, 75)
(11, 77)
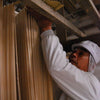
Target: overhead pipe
(94, 8)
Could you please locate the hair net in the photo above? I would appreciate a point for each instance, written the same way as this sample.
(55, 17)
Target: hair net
(92, 64)
(94, 50)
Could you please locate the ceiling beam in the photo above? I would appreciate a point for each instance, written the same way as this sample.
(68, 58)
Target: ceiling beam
(57, 18)
(88, 26)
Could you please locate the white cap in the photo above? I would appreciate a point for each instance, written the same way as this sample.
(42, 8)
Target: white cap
(92, 47)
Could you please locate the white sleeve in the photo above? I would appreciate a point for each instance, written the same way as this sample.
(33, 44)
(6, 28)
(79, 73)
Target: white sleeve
(78, 84)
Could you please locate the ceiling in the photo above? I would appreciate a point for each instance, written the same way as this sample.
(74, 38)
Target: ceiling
(82, 15)
(78, 12)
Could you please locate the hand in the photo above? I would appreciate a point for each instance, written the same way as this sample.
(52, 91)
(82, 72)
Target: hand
(44, 24)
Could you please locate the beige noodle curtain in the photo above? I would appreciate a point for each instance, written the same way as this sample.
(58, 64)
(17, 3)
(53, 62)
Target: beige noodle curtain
(34, 82)
(23, 74)
(7, 54)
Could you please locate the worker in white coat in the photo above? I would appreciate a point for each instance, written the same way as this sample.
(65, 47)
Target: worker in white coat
(74, 75)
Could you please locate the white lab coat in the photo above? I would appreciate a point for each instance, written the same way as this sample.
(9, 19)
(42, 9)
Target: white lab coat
(76, 83)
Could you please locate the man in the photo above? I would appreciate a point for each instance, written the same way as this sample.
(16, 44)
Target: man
(74, 75)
